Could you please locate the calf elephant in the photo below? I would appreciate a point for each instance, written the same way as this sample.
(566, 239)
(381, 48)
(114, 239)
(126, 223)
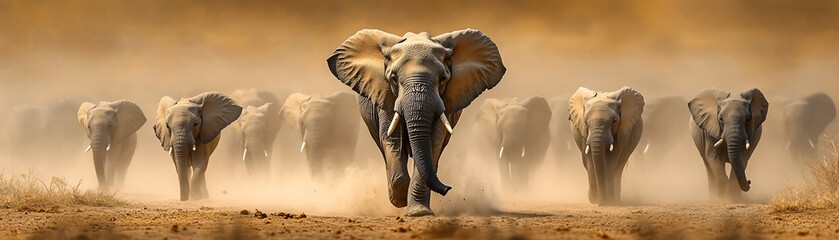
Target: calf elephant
(327, 127)
(804, 122)
(409, 87)
(516, 132)
(253, 134)
(189, 129)
(668, 131)
(607, 127)
(726, 129)
(112, 130)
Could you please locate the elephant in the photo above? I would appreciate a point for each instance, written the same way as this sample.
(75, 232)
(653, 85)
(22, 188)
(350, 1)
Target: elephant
(327, 127)
(668, 116)
(29, 128)
(727, 128)
(112, 130)
(253, 133)
(409, 87)
(189, 129)
(516, 133)
(606, 127)
(804, 122)
(561, 141)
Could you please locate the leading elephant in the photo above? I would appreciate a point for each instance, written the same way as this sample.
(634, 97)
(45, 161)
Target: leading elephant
(516, 133)
(804, 122)
(112, 130)
(607, 127)
(726, 128)
(252, 135)
(409, 87)
(327, 127)
(189, 129)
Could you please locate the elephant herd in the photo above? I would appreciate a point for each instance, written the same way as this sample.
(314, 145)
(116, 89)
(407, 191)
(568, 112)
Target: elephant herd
(411, 91)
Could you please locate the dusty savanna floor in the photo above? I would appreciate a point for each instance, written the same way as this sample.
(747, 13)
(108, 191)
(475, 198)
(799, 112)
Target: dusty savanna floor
(197, 220)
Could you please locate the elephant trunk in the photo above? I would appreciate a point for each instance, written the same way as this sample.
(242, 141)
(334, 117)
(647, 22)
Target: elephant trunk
(421, 109)
(99, 142)
(182, 148)
(735, 141)
(600, 140)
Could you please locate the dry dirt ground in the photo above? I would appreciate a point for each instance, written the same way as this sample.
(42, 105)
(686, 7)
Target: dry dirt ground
(203, 220)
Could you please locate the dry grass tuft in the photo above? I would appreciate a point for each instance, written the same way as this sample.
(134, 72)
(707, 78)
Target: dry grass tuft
(29, 193)
(821, 189)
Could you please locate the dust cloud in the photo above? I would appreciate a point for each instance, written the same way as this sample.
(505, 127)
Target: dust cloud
(93, 50)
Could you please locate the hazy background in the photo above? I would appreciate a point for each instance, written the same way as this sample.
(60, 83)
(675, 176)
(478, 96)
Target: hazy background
(142, 50)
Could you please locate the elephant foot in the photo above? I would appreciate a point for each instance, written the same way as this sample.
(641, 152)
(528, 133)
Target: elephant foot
(592, 196)
(418, 210)
(399, 191)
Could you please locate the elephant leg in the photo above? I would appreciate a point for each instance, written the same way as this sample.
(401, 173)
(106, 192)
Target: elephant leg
(419, 201)
(618, 177)
(394, 153)
(127, 149)
(504, 173)
(593, 196)
(198, 181)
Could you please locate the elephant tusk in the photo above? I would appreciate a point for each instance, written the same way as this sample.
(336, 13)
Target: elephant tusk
(522, 151)
(446, 123)
(108, 148)
(87, 149)
(303, 146)
(811, 143)
(646, 148)
(747, 144)
(587, 148)
(194, 147)
(718, 143)
(393, 124)
(501, 152)
(244, 154)
(171, 151)
(265, 152)
(611, 147)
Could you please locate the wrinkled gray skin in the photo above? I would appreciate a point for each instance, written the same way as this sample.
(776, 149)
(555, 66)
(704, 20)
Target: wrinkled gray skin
(521, 128)
(427, 81)
(112, 130)
(804, 122)
(189, 130)
(667, 132)
(609, 125)
(44, 136)
(562, 143)
(734, 119)
(255, 130)
(327, 127)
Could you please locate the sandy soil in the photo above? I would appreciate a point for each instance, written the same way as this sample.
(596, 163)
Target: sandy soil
(205, 220)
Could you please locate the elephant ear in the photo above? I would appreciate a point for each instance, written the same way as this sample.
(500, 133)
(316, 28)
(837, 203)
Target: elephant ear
(273, 111)
(824, 111)
(360, 64)
(292, 109)
(82, 115)
(704, 109)
(346, 104)
(631, 109)
(758, 106)
(577, 109)
(476, 66)
(129, 118)
(217, 111)
(539, 113)
(160, 129)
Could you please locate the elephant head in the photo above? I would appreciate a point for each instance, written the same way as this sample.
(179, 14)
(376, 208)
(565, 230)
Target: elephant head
(108, 123)
(184, 124)
(606, 127)
(313, 117)
(805, 120)
(733, 120)
(252, 125)
(419, 79)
